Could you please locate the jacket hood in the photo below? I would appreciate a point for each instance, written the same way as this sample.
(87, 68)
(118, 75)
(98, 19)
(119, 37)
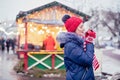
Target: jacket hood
(64, 37)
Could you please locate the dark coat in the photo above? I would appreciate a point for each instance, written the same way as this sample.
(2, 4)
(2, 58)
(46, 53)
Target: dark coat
(78, 62)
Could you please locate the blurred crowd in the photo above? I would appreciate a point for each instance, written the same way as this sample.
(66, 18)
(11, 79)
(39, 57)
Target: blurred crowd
(7, 44)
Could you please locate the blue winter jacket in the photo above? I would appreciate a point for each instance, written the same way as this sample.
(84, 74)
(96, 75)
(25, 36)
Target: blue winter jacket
(78, 63)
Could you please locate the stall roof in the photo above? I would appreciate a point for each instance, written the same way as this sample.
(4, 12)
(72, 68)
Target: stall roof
(54, 3)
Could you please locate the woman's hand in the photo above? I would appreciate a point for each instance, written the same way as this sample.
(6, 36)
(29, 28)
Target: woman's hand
(90, 35)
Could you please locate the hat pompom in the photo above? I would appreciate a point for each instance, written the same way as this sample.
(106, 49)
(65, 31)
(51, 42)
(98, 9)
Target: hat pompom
(65, 18)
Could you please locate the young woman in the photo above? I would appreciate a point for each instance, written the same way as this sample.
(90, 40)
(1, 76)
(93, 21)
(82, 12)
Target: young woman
(78, 62)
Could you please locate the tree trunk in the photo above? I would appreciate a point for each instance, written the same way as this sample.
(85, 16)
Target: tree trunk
(119, 40)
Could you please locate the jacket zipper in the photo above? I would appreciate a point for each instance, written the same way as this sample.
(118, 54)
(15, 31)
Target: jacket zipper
(84, 74)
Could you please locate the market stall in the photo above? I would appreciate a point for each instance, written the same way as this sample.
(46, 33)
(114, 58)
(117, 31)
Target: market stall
(33, 27)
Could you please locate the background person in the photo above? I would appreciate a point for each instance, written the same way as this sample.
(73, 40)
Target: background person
(8, 45)
(2, 42)
(13, 44)
(49, 43)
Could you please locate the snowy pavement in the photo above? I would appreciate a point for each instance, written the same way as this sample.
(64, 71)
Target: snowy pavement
(109, 60)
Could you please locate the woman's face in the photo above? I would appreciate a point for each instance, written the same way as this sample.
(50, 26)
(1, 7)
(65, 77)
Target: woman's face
(80, 30)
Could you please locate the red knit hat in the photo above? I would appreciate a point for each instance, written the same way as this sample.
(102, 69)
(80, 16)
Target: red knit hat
(71, 23)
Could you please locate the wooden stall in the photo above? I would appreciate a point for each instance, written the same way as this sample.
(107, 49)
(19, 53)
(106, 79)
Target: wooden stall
(34, 25)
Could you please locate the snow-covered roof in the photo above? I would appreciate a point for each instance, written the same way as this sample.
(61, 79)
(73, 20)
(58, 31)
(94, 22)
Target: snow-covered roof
(54, 3)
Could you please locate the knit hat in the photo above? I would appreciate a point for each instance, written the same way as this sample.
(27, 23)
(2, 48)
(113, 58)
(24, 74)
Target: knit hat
(71, 23)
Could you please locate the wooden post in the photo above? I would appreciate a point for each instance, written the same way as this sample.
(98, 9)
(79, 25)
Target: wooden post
(25, 61)
(26, 43)
(53, 61)
(25, 46)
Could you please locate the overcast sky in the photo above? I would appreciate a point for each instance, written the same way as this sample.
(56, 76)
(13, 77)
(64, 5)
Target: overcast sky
(10, 8)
